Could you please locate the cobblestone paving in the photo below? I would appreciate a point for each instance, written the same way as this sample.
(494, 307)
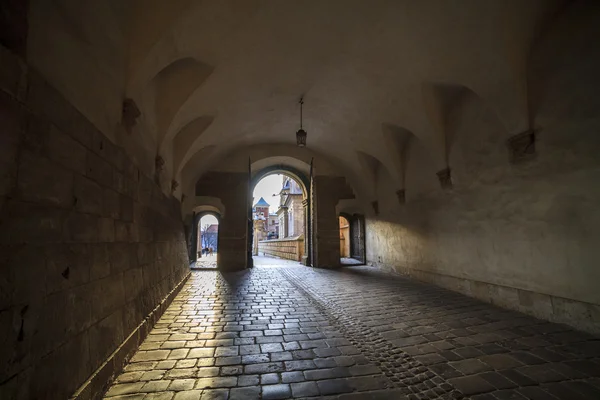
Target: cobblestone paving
(278, 332)
(205, 261)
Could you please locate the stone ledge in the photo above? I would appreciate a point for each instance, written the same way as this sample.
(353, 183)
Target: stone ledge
(101, 379)
(291, 248)
(287, 239)
(577, 314)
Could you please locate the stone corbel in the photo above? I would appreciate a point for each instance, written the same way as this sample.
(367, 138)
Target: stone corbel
(375, 205)
(130, 114)
(521, 147)
(445, 178)
(401, 194)
(159, 165)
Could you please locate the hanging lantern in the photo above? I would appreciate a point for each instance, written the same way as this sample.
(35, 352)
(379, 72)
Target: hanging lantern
(301, 134)
(301, 138)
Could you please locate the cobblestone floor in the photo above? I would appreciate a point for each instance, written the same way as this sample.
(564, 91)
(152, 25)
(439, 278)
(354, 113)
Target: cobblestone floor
(288, 331)
(205, 261)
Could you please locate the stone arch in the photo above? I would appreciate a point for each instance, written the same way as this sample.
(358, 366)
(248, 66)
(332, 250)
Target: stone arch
(451, 106)
(174, 84)
(148, 25)
(369, 165)
(262, 154)
(184, 140)
(349, 206)
(193, 169)
(283, 169)
(420, 169)
(209, 204)
(477, 141)
(441, 102)
(357, 235)
(396, 140)
(203, 211)
(304, 180)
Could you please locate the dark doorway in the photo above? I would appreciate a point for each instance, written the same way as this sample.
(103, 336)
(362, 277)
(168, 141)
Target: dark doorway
(356, 236)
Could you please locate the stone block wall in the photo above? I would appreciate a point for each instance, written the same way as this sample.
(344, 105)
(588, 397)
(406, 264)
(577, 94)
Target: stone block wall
(89, 245)
(289, 248)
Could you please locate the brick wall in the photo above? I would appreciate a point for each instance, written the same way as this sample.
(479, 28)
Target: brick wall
(89, 246)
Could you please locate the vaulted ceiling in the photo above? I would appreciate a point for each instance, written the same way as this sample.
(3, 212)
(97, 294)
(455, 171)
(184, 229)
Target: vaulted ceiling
(214, 76)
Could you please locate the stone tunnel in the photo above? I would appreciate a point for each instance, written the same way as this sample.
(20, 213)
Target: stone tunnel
(460, 142)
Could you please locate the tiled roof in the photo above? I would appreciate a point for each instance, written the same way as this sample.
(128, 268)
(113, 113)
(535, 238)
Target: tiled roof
(261, 203)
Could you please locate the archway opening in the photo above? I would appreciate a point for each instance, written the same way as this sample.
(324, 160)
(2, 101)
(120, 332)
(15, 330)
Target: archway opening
(344, 238)
(279, 219)
(352, 239)
(207, 240)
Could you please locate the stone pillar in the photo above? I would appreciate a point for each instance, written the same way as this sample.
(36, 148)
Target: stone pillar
(233, 227)
(286, 224)
(260, 233)
(327, 252)
(199, 240)
(194, 239)
(255, 240)
(306, 212)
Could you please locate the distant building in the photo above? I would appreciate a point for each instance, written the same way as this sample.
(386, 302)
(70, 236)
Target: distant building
(287, 223)
(273, 226)
(260, 218)
(291, 210)
(209, 237)
(260, 210)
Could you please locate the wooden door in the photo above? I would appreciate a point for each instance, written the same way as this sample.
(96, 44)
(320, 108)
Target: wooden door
(357, 234)
(250, 229)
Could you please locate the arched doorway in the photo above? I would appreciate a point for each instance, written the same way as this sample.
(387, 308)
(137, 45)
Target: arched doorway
(206, 240)
(344, 238)
(293, 216)
(352, 230)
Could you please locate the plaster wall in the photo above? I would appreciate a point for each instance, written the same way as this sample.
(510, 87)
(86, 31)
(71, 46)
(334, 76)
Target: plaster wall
(267, 155)
(506, 233)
